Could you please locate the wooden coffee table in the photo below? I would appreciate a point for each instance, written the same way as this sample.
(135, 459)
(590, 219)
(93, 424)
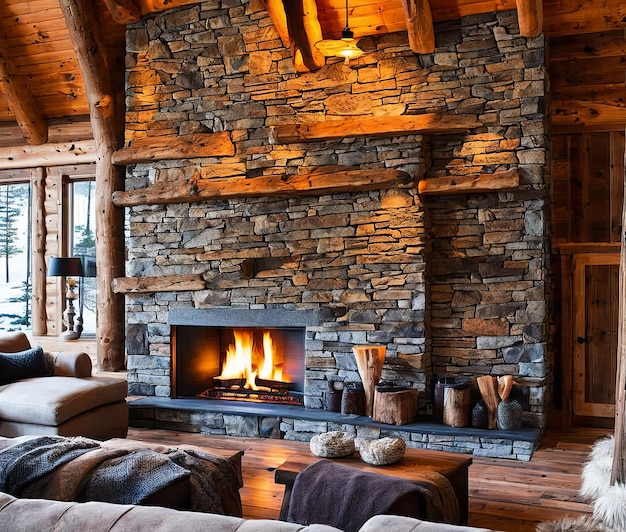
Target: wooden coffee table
(451, 465)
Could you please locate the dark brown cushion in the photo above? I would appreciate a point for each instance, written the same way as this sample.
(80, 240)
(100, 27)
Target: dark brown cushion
(24, 365)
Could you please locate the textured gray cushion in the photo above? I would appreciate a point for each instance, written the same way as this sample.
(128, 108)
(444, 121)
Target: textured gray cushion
(24, 365)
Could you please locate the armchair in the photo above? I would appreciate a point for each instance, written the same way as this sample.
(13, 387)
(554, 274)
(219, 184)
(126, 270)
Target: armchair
(55, 393)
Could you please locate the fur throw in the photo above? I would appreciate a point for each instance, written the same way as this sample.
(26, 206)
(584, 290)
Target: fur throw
(585, 523)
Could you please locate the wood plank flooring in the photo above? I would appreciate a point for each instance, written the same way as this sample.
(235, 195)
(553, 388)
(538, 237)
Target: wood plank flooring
(505, 495)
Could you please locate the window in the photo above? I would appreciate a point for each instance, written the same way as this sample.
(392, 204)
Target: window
(15, 247)
(83, 244)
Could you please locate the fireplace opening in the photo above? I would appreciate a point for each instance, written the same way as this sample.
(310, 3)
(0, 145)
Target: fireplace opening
(255, 364)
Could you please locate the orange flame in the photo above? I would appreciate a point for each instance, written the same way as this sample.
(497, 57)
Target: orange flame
(245, 359)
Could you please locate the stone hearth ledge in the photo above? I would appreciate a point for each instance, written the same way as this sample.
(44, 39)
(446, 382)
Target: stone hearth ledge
(252, 420)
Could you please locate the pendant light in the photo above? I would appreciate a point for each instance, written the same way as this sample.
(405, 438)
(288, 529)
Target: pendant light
(346, 47)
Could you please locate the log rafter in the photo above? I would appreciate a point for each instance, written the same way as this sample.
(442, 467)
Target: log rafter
(530, 17)
(124, 11)
(21, 102)
(419, 24)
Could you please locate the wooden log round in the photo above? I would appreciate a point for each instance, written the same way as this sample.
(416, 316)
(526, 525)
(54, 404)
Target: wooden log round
(395, 408)
(456, 402)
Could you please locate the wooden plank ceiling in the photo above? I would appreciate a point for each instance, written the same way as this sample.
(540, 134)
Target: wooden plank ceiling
(43, 100)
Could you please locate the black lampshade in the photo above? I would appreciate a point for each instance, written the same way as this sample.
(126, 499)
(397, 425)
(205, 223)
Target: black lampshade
(65, 267)
(89, 266)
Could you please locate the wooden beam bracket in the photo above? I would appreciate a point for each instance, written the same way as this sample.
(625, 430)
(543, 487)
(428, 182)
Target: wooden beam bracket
(475, 183)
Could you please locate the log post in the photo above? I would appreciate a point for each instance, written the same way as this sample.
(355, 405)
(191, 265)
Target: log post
(369, 361)
(109, 178)
(618, 469)
(39, 324)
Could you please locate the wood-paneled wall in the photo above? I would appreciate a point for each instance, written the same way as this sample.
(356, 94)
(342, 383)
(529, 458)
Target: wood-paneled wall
(588, 189)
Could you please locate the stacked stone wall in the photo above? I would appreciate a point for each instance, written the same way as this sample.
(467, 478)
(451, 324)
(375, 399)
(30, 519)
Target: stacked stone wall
(465, 274)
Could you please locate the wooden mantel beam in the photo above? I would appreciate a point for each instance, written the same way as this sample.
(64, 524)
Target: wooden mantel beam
(124, 11)
(317, 181)
(21, 101)
(374, 126)
(167, 283)
(530, 17)
(179, 147)
(419, 25)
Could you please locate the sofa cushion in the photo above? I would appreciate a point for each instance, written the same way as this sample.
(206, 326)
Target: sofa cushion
(53, 400)
(23, 365)
(40, 515)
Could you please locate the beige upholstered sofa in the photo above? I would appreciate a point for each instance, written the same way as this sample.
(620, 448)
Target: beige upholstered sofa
(40, 515)
(62, 398)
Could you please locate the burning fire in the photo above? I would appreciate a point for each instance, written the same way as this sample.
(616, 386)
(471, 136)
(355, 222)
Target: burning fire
(245, 359)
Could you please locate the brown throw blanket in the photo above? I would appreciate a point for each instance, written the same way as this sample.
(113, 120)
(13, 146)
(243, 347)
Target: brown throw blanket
(344, 497)
(79, 469)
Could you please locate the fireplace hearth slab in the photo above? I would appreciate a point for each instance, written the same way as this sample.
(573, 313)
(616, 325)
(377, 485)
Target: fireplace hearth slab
(187, 415)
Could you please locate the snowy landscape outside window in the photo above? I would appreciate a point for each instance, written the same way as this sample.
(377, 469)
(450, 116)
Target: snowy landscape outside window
(84, 245)
(15, 251)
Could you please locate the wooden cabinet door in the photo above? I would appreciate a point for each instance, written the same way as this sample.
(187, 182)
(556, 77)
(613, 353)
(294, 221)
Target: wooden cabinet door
(595, 313)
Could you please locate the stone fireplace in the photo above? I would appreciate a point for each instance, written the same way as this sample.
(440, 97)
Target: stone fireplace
(236, 354)
(452, 285)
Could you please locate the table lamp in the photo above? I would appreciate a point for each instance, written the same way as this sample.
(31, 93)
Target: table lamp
(68, 267)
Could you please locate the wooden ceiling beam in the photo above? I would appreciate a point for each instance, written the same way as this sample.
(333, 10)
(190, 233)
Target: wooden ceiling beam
(21, 102)
(48, 154)
(419, 24)
(530, 17)
(124, 11)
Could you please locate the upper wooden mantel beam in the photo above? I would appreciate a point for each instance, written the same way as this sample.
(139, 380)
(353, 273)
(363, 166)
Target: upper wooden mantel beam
(419, 25)
(530, 17)
(374, 126)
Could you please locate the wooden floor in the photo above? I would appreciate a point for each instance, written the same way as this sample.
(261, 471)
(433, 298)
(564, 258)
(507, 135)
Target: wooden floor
(504, 494)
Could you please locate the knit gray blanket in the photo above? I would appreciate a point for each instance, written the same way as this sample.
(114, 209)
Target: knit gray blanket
(80, 469)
